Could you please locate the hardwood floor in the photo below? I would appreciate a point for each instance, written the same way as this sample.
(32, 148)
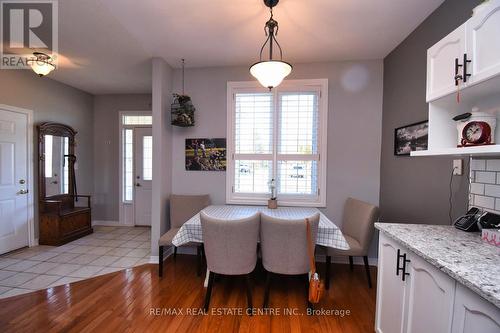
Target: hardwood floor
(136, 300)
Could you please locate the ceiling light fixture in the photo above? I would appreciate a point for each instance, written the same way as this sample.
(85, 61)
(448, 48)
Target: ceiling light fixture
(41, 63)
(271, 73)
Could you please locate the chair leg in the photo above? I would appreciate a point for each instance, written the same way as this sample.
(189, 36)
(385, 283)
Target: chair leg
(351, 263)
(211, 276)
(160, 261)
(249, 294)
(198, 256)
(266, 290)
(175, 252)
(367, 269)
(309, 305)
(327, 272)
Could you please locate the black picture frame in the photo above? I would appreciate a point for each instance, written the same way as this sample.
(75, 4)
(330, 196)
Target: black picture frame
(412, 137)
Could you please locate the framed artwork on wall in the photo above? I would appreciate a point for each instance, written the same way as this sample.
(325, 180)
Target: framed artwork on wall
(205, 154)
(413, 137)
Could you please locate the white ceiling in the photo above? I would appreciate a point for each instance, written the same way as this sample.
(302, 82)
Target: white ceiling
(106, 45)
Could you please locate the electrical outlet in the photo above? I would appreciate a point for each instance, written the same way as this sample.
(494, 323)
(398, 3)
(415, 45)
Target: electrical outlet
(457, 167)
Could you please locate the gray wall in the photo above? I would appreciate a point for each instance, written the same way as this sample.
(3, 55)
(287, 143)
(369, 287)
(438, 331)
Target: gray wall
(416, 190)
(106, 150)
(53, 101)
(354, 128)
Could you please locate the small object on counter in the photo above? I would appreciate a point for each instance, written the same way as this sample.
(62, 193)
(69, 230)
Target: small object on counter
(491, 236)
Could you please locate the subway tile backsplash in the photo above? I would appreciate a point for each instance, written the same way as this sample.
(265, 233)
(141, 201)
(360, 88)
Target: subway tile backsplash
(485, 184)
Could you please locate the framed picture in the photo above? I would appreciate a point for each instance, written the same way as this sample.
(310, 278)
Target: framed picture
(410, 138)
(205, 154)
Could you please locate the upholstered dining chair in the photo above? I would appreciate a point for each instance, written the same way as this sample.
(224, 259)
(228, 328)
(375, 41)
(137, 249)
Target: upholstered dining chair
(358, 227)
(230, 249)
(182, 208)
(283, 244)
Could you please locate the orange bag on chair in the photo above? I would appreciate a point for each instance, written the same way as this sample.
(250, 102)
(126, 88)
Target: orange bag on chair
(316, 286)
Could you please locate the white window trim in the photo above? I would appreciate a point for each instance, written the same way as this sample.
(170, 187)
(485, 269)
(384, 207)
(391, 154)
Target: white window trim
(283, 200)
(123, 205)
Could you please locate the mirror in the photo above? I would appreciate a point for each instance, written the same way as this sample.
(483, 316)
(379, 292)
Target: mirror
(56, 165)
(57, 159)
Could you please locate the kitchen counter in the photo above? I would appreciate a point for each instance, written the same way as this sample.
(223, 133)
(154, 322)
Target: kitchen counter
(461, 255)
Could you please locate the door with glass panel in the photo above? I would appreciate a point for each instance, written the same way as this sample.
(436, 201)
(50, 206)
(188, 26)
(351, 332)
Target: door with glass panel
(143, 142)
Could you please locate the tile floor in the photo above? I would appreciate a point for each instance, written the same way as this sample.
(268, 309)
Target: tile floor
(107, 250)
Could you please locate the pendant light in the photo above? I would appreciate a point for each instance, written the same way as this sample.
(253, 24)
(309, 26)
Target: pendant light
(271, 73)
(41, 64)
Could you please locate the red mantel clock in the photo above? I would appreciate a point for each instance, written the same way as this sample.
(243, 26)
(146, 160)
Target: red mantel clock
(476, 133)
(476, 128)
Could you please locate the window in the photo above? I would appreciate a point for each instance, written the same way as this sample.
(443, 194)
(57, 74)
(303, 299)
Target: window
(128, 172)
(147, 158)
(280, 135)
(137, 120)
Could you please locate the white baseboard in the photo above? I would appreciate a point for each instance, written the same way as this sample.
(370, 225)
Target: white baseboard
(34, 242)
(110, 223)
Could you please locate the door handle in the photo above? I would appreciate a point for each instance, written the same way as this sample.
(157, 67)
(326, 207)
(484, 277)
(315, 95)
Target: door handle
(23, 192)
(466, 61)
(397, 262)
(404, 267)
(138, 185)
(457, 77)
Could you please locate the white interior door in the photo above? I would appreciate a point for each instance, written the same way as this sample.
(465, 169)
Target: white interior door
(143, 161)
(13, 180)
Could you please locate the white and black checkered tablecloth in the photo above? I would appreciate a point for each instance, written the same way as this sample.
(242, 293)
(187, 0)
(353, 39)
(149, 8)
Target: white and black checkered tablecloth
(328, 233)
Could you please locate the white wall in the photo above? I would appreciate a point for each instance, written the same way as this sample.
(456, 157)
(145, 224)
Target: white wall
(162, 150)
(354, 128)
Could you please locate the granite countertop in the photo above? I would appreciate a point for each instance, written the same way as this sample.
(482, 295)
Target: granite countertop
(461, 255)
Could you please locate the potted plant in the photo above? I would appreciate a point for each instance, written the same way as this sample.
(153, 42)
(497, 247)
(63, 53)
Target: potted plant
(272, 203)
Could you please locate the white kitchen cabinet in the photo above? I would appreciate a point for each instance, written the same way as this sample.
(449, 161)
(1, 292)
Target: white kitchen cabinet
(473, 314)
(483, 42)
(390, 289)
(442, 63)
(427, 299)
(429, 302)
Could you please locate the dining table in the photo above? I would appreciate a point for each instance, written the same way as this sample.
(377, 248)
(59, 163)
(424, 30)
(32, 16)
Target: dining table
(329, 234)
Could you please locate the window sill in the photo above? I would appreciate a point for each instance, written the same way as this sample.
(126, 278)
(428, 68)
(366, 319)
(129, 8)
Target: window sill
(282, 203)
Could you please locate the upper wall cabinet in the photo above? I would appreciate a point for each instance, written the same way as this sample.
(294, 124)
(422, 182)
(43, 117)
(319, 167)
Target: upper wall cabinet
(467, 56)
(483, 42)
(443, 64)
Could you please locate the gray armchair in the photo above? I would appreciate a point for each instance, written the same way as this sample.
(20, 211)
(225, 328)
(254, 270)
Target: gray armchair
(357, 227)
(284, 247)
(230, 249)
(182, 208)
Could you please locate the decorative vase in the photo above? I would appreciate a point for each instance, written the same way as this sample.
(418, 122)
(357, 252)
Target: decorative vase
(272, 203)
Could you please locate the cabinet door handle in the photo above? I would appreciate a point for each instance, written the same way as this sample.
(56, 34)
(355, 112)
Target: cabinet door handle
(457, 77)
(397, 262)
(405, 261)
(466, 61)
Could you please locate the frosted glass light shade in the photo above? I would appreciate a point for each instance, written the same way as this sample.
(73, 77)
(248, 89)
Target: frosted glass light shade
(42, 68)
(270, 73)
